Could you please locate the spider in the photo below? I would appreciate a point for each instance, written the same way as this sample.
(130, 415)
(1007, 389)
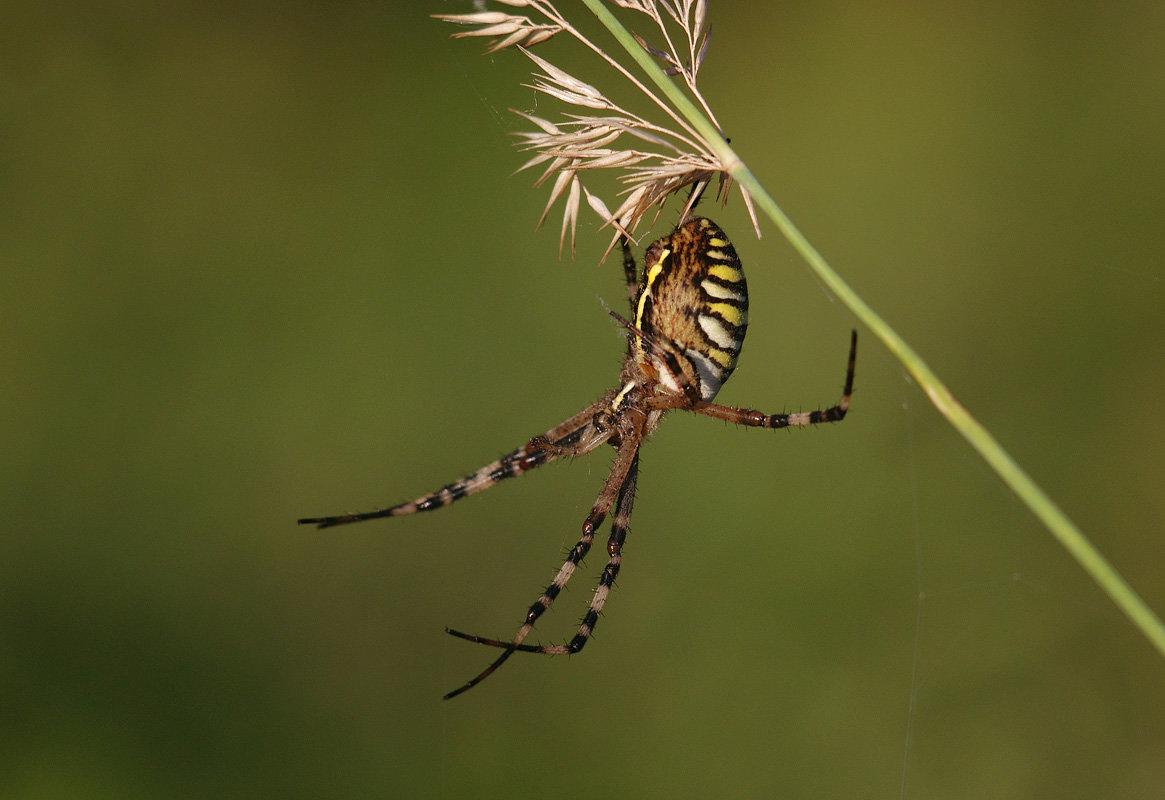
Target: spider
(690, 312)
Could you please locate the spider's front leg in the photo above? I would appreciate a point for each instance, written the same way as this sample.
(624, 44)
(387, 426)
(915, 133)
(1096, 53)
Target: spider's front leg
(600, 430)
(619, 491)
(574, 436)
(758, 419)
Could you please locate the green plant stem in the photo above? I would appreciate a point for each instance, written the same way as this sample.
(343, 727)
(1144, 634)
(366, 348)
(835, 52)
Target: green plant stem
(1008, 470)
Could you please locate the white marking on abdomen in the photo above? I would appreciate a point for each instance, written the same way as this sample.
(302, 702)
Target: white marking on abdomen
(710, 374)
(716, 331)
(721, 292)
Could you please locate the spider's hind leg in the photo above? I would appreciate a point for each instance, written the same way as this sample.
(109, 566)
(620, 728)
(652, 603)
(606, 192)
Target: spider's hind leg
(759, 419)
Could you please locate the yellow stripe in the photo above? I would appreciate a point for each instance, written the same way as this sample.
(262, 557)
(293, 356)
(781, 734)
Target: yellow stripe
(730, 313)
(656, 269)
(726, 272)
(618, 401)
(721, 357)
(649, 283)
(717, 242)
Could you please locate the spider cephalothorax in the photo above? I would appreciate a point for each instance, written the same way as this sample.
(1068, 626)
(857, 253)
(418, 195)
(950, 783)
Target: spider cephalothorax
(689, 316)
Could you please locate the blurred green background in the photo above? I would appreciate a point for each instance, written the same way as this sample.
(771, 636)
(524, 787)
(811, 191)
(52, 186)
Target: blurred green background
(266, 260)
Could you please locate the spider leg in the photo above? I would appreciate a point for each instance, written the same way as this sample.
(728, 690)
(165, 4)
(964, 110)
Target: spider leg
(576, 435)
(620, 485)
(758, 419)
(694, 197)
(629, 268)
(606, 581)
(611, 571)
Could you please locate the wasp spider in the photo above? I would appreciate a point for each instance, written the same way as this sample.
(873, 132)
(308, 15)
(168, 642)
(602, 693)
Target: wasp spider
(690, 311)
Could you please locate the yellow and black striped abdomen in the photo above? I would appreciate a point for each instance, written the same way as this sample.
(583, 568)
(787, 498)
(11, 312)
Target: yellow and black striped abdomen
(693, 295)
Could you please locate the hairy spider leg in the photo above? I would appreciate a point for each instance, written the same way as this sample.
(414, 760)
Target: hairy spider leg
(575, 436)
(615, 542)
(758, 419)
(630, 267)
(620, 485)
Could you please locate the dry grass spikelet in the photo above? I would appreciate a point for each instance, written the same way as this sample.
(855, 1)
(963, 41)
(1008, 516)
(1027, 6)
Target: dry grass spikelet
(652, 160)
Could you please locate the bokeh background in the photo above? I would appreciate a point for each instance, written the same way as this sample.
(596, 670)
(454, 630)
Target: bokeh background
(266, 260)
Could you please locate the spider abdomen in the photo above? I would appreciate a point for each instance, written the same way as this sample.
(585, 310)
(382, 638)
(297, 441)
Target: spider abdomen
(694, 296)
